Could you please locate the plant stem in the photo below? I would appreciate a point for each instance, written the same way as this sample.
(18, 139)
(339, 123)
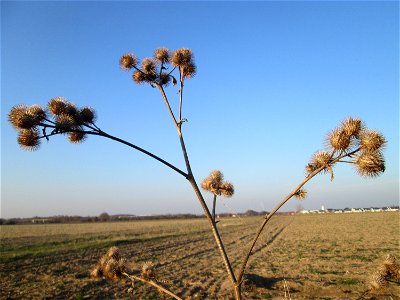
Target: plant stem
(153, 283)
(180, 94)
(269, 216)
(214, 204)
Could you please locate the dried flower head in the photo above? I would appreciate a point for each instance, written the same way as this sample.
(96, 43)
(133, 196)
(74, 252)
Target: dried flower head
(339, 139)
(378, 281)
(128, 61)
(148, 66)
(139, 77)
(111, 266)
(352, 126)
(371, 141)
(182, 57)
(390, 259)
(189, 70)
(213, 182)
(29, 139)
(321, 158)
(65, 122)
(392, 267)
(370, 164)
(162, 55)
(86, 115)
(148, 271)
(301, 194)
(76, 137)
(59, 105)
(310, 167)
(227, 189)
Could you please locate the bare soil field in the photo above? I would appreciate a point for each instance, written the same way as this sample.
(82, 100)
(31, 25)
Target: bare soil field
(330, 256)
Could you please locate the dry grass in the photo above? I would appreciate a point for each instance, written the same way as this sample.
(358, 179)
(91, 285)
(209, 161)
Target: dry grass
(315, 256)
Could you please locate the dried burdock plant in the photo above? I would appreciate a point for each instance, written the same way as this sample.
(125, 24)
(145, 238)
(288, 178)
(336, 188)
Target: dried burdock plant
(351, 143)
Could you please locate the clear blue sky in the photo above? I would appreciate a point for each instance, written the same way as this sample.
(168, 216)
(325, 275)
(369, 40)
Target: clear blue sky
(273, 78)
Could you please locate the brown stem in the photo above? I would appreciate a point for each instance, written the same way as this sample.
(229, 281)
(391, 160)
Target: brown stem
(180, 94)
(153, 283)
(269, 216)
(214, 205)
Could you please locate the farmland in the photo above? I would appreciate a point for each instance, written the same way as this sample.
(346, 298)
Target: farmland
(328, 256)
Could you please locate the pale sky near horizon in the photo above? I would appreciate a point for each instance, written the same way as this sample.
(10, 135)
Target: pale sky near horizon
(273, 78)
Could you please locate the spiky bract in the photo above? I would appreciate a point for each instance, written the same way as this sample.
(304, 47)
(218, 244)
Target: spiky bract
(65, 122)
(339, 139)
(189, 70)
(378, 281)
(128, 61)
(162, 55)
(182, 57)
(149, 66)
(165, 79)
(370, 164)
(227, 189)
(110, 265)
(215, 184)
(76, 137)
(371, 141)
(321, 158)
(24, 117)
(28, 139)
(59, 105)
(139, 77)
(148, 271)
(301, 194)
(352, 126)
(86, 115)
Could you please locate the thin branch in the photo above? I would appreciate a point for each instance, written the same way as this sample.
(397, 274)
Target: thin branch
(167, 104)
(213, 209)
(269, 216)
(181, 79)
(153, 283)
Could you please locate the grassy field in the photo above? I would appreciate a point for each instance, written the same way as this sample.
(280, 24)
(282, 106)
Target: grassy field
(318, 256)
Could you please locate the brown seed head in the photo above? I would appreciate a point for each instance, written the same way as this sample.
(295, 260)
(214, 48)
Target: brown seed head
(96, 273)
(372, 141)
(148, 66)
(139, 77)
(321, 158)
(227, 189)
(113, 252)
(148, 271)
(28, 139)
(310, 167)
(65, 122)
(189, 70)
(76, 137)
(59, 105)
(390, 259)
(127, 61)
(352, 126)
(162, 55)
(339, 139)
(20, 117)
(182, 57)
(370, 164)
(301, 194)
(378, 281)
(213, 182)
(86, 115)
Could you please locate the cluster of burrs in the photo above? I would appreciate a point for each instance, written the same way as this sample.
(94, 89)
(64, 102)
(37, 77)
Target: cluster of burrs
(215, 184)
(61, 117)
(157, 70)
(388, 271)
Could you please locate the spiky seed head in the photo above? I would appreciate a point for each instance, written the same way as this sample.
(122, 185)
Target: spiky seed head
(372, 141)
(59, 105)
(165, 79)
(148, 66)
(65, 122)
(128, 61)
(189, 70)
(97, 272)
(148, 271)
(139, 77)
(301, 194)
(227, 189)
(352, 126)
(113, 252)
(182, 57)
(310, 167)
(370, 164)
(378, 281)
(76, 137)
(28, 139)
(162, 55)
(20, 117)
(213, 182)
(86, 115)
(321, 158)
(339, 139)
(390, 259)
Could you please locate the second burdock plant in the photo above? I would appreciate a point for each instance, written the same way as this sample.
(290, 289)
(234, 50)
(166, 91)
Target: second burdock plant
(350, 143)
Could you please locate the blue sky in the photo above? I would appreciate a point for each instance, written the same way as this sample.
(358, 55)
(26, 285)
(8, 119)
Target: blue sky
(273, 78)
